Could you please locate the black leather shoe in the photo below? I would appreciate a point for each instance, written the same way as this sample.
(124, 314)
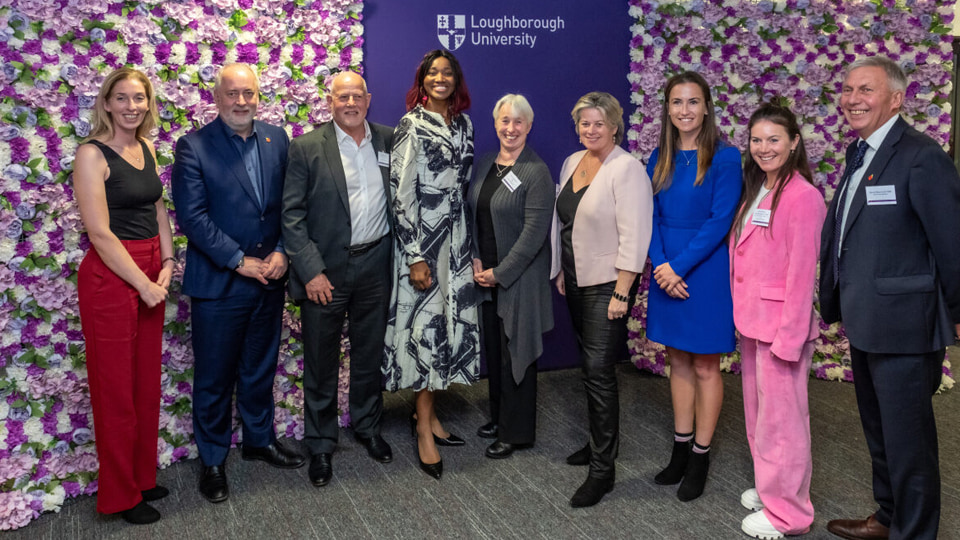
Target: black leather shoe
(500, 449)
(590, 493)
(321, 469)
(155, 493)
(580, 457)
(141, 514)
(213, 484)
(275, 454)
(490, 430)
(377, 448)
(451, 440)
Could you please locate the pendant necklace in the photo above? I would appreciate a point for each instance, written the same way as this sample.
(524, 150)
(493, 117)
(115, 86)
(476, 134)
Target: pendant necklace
(505, 168)
(685, 158)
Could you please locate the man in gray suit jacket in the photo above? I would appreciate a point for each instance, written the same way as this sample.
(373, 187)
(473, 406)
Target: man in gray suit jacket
(890, 270)
(336, 231)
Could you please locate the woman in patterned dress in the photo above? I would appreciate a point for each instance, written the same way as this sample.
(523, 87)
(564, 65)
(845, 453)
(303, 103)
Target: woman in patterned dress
(432, 334)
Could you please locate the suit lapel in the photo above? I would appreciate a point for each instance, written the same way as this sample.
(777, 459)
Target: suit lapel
(380, 146)
(331, 154)
(233, 161)
(877, 165)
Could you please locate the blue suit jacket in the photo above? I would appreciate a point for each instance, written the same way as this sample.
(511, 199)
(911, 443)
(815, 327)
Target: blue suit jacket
(899, 289)
(218, 210)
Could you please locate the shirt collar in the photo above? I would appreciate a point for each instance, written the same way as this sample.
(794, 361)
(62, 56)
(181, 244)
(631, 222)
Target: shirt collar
(231, 133)
(876, 138)
(342, 135)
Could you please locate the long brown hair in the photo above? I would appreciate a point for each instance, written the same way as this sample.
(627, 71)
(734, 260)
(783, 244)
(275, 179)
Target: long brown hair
(103, 120)
(670, 137)
(754, 176)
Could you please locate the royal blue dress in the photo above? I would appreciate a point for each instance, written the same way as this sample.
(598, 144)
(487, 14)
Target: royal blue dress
(690, 226)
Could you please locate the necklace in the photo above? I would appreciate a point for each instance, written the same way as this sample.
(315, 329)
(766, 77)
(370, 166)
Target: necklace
(685, 158)
(505, 168)
(124, 154)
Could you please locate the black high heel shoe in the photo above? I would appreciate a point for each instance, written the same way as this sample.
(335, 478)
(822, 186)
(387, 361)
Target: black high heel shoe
(433, 469)
(451, 440)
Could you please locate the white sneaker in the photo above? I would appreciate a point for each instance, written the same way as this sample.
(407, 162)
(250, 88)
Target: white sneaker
(758, 526)
(751, 500)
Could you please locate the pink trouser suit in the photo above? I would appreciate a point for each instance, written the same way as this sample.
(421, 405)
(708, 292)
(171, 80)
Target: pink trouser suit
(772, 276)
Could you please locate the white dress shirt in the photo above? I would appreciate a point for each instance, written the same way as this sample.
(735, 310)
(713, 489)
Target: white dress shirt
(368, 202)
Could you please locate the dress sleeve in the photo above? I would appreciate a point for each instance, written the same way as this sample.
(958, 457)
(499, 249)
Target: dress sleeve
(727, 175)
(405, 185)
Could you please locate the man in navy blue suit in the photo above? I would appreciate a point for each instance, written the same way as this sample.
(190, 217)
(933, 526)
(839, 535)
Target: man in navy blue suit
(227, 187)
(890, 270)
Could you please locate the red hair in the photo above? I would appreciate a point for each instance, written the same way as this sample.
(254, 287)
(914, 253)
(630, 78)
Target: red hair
(460, 98)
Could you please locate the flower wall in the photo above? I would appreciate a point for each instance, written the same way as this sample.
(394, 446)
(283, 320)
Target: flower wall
(54, 55)
(794, 51)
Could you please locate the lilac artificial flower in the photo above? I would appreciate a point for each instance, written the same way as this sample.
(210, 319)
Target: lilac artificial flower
(16, 172)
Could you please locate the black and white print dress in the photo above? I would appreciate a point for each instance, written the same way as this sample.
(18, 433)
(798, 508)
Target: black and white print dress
(432, 336)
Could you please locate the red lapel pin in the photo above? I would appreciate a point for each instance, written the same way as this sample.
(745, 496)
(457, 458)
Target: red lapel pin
(268, 140)
(869, 178)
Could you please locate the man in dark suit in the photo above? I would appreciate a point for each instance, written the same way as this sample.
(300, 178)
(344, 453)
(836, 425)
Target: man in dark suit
(890, 270)
(336, 230)
(227, 187)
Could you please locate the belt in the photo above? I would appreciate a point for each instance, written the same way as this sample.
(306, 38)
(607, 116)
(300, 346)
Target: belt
(360, 249)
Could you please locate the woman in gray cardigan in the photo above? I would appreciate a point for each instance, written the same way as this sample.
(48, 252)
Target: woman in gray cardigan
(511, 204)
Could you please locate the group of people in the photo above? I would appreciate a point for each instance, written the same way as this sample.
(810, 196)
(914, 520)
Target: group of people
(391, 229)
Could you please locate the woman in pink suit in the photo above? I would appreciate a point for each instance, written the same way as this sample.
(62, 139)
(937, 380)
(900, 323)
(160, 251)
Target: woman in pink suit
(774, 248)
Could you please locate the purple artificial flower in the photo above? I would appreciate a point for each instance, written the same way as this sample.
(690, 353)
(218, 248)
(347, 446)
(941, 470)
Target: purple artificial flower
(19, 414)
(16, 172)
(81, 126)
(98, 34)
(9, 132)
(82, 436)
(26, 211)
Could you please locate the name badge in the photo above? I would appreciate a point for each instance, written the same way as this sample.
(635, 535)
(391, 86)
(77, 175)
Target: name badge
(383, 159)
(761, 217)
(881, 195)
(511, 181)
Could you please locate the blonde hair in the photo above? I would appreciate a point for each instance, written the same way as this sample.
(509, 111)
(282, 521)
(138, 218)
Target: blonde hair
(608, 106)
(103, 120)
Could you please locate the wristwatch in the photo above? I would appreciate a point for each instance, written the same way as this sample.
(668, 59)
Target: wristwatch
(239, 264)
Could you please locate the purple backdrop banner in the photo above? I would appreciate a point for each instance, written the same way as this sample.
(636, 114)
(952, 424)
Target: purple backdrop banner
(550, 51)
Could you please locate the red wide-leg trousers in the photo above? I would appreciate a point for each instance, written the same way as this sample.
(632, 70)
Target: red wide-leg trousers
(123, 341)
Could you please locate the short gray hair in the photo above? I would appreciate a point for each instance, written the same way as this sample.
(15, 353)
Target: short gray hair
(896, 78)
(608, 106)
(518, 105)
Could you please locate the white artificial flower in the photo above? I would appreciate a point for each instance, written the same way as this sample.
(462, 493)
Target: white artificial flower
(178, 53)
(54, 500)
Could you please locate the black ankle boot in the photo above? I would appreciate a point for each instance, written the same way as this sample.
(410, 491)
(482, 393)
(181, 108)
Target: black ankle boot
(678, 464)
(695, 476)
(590, 493)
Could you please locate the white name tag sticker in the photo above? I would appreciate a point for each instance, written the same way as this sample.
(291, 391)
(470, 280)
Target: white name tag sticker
(511, 181)
(761, 217)
(880, 195)
(383, 159)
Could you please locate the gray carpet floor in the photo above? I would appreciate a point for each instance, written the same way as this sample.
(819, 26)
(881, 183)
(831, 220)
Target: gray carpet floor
(525, 496)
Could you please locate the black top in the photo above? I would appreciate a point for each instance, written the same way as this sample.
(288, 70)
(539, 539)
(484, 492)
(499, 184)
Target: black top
(567, 203)
(132, 195)
(486, 239)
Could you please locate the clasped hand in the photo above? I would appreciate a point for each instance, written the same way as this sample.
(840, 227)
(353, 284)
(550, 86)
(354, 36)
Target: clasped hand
(670, 282)
(484, 278)
(272, 267)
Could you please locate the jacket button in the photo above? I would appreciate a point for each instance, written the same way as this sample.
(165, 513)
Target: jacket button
(262, 218)
(259, 245)
(739, 251)
(739, 279)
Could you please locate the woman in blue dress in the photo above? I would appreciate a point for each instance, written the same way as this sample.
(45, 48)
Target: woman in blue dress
(696, 183)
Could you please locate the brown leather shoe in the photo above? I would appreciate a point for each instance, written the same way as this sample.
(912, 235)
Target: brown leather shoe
(859, 529)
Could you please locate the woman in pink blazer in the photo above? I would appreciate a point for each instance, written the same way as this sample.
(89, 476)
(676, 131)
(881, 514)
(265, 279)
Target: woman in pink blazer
(774, 248)
(601, 252)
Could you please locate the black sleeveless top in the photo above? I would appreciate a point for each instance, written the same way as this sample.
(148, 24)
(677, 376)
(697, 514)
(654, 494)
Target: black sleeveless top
(132, 195)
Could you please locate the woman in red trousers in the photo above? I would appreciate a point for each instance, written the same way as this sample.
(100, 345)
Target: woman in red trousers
(122, 286)
(774, 248)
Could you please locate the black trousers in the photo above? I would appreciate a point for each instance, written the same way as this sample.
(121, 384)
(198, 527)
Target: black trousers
(601, 342)
(365, 295)
(513, 407)
(894, 397)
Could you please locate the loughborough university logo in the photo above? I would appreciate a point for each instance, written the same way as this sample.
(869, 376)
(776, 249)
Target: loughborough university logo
(451, 31)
